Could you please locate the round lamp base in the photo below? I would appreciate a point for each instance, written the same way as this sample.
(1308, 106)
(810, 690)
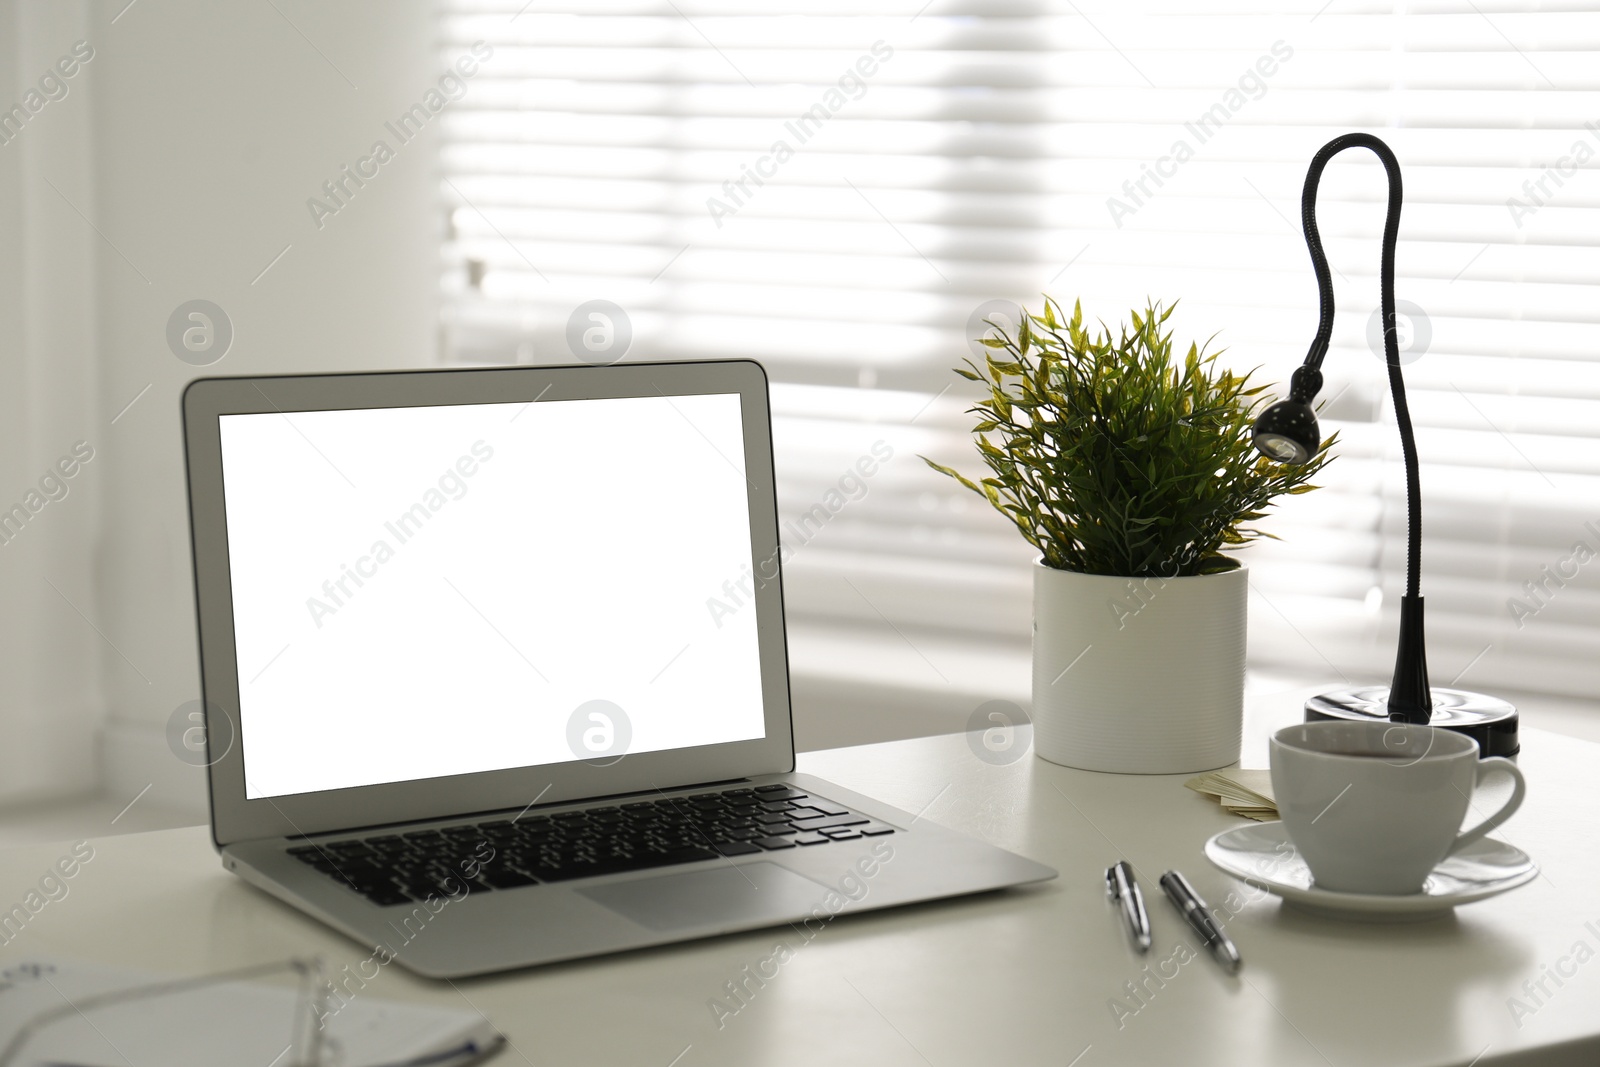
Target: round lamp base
(1488, 720)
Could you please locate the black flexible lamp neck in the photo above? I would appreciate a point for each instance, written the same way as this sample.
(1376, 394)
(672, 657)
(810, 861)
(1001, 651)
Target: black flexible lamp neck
(1410, 698)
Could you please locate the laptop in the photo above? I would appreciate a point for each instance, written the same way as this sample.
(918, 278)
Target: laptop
(494, 669)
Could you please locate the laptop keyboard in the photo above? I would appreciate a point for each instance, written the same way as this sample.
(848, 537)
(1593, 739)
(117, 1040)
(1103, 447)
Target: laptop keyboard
(394, 869)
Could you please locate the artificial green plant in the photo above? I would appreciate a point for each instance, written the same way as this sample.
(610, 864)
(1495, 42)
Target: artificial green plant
(1112, 458)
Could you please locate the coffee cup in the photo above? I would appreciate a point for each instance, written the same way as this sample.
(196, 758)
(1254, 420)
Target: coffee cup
(1373, 807)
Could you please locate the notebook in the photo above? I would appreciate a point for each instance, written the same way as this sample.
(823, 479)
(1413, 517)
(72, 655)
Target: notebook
(234, 1022)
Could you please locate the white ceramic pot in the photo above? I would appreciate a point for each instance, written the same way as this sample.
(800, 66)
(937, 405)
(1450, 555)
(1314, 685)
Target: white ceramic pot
(1138, 675)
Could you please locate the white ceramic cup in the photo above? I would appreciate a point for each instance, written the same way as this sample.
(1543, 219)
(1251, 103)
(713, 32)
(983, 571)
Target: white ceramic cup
(1373, 807)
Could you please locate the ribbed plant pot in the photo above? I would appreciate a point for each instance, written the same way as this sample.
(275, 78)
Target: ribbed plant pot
(1138, 675)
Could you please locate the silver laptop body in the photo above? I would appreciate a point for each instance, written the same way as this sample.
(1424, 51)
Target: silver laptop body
(494, 667)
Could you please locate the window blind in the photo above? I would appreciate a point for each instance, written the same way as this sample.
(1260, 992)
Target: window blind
(838, 189)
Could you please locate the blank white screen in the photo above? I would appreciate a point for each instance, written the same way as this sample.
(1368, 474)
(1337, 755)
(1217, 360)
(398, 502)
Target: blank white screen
(429, 591)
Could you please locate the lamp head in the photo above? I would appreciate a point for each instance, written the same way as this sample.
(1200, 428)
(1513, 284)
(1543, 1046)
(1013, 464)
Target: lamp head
(1287, 431)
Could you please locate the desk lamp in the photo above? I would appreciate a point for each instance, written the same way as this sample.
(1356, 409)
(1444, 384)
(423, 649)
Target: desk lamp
(1287, 432)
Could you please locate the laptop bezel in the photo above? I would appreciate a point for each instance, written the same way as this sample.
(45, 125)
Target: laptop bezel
(235, 818)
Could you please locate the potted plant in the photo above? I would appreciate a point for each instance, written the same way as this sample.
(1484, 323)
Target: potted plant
(1131, 472)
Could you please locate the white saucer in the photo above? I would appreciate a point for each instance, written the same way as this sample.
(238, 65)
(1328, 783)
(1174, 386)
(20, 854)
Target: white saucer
(1262, 856)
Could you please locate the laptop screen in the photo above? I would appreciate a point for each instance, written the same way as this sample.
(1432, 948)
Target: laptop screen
(430, 591)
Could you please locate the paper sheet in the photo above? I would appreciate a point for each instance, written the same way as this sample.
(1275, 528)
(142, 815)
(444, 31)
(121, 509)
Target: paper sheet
(1242, 792)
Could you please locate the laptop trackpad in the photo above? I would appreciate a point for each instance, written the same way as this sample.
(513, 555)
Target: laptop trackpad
(745, 893)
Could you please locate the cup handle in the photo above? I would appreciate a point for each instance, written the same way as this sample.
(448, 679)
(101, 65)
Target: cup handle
(1519, 790)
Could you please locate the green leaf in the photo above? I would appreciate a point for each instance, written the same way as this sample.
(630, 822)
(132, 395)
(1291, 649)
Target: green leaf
(1115, 451)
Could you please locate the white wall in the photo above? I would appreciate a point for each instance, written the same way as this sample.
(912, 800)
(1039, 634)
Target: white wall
(213, 125)
(49, 657)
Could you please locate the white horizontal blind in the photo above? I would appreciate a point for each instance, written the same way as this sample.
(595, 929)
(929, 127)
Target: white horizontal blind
(656, 156)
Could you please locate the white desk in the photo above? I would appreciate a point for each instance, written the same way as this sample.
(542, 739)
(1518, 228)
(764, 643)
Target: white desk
(1022, 977)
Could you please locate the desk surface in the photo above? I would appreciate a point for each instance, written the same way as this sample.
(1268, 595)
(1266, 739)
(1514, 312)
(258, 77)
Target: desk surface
(1021, 977)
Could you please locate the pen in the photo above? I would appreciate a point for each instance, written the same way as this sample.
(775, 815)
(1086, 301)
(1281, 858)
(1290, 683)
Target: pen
(1125, 891)
(1195, 913)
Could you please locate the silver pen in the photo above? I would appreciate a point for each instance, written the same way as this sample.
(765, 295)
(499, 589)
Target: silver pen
(1125, 891)
(1195, 913)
